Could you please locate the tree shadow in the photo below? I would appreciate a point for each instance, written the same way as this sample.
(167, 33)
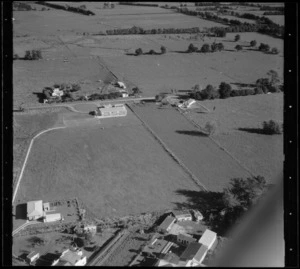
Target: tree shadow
(229, 50)
(193, 133)
(179, 51)
(24, 255)
(40, 96)
(131, 54)
(21, 211)
(201, 200)
(47, 259)
(252, 130)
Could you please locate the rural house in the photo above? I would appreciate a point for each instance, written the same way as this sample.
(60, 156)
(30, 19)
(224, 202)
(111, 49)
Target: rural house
(107, 111)
(187, 104)
(35, 210)
(182, 215)
(166, 225)
(208, 238)
(185, 239)
(194, 254)
(32, 256)
(72, 258)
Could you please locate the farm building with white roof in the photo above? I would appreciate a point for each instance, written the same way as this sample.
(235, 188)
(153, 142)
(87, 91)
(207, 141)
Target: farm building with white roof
(35, 210)
(108, 111)
(208, 238)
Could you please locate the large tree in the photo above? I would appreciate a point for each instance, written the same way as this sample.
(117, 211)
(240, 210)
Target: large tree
(205, 48)
(237, 38)
(224, 90)
(163, 49)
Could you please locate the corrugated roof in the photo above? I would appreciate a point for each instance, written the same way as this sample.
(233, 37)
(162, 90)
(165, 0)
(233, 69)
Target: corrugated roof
(183, 213)
(190, 251)
(167, 222)
(208, 237)
(71, 257)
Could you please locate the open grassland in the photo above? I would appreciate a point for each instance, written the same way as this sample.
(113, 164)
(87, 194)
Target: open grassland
(262, 154)
(117, 170)
(213, 167)
(25, 127)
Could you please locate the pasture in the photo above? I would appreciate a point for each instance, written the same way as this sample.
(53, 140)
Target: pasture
(114, 169)
(237, 119)
(213, 167)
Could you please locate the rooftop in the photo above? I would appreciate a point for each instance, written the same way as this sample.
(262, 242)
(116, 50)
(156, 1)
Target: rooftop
(201, 253)
(190, 251)
(35, 208)
(167, 222)
(208, 237)
(186, 238)
(71, 257)
(180, 213)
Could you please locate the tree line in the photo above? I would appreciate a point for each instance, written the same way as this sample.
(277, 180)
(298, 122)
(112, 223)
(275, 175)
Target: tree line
(263, 24)
(20, 6)
(263, 85)
(140, 31)
(79, 10)
(138, 4)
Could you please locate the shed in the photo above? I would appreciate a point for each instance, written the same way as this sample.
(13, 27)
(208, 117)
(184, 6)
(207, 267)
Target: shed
(208, 238)
(166, 225)
(32, 256)
(52, 217)
(73, 258)
(35, 210)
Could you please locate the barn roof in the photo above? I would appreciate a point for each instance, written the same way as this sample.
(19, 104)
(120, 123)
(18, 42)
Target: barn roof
(35, 208)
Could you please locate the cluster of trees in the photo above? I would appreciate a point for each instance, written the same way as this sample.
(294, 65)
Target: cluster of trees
(139, 51)
(140, 31)
(272, 127)
(206, 48)
(67, 88)
(79, 10)
(21, 6)
(263, 85)
(138, 4)
(106, 5)
(31, 55)
(266, 48)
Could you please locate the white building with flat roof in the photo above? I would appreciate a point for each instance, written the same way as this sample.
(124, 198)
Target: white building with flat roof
(108, 111)
(208, 238)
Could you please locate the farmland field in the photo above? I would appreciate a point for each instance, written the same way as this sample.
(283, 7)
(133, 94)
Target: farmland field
(115, 169)
(262, 154)
(213, 167)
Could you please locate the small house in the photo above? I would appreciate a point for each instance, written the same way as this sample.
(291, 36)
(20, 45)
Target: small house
(208, 238)
(57, 92)
(32, 256)
(184, 239)
(182, 215)
(167, 224)
(107, 111)
(35, 210)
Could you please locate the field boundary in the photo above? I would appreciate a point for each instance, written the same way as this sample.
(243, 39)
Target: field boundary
(168, 150)
(218, 144)
(26, 158)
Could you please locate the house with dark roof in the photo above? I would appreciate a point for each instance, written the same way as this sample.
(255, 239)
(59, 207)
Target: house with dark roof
(166, 225)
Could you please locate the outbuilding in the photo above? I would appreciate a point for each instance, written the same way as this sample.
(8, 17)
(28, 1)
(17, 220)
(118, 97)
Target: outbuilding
(208, 238)
(182, 215)
(108, 111)
(32, 256)
(35, 210)
(166, 225)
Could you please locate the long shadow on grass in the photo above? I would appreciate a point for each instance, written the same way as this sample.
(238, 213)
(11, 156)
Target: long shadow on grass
(193, 133)
(21, 211)
(252, 130)
(243, 84)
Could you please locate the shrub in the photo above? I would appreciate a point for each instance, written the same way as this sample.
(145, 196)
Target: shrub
(205, 48)
(274, 51)
(16, 57)
(224, 90)
(264, 47)
(210, 127)
(151, 52)
(253, 43)
(234, 93)
(163, 49)
(238, 47)
(271, 127)
(237, 38)
(27, 55)
(192, 48)
(139, 51)
(250, 91)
